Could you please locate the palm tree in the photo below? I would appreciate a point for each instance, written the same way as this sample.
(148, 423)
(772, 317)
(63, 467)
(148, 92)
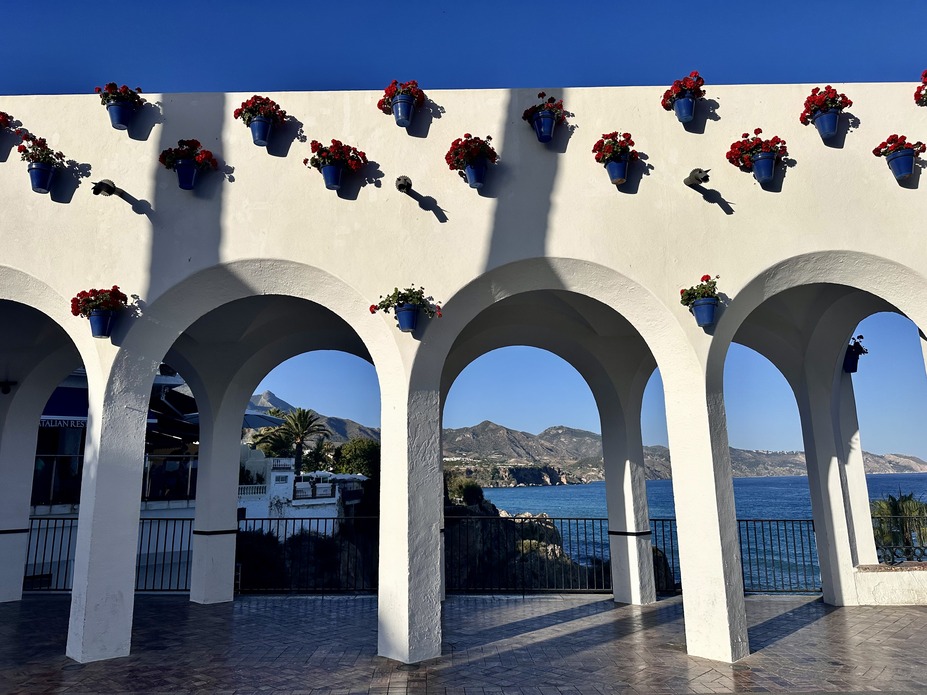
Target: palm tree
(290, 438)
(900, 526)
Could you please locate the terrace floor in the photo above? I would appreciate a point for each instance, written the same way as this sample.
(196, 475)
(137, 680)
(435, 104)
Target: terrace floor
(540, 645)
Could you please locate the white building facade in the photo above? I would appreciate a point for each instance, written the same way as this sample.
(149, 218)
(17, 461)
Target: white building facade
(261, 263)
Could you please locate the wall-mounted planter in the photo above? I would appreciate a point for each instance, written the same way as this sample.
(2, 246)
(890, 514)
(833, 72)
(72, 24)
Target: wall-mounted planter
(704, 311)
(121, 114)
(544, 123)
(476, 173)
(403, 106)
(617, 170)
(186, 173)
(260, 130)
(684, 107)
(101, 323)
(901, 162)
(764, 167)
(826, 123)
(40, 175)
(331, 175)
(407, 317)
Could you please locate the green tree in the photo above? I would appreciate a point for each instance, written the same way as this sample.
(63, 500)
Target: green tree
(358, 455)
(900, 526)
(299, 429)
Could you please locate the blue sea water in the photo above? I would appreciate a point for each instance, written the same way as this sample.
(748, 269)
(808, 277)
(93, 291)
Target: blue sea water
(785, 497)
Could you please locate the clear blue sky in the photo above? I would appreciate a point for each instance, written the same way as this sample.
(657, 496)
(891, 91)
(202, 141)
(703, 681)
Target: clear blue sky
(67, 47)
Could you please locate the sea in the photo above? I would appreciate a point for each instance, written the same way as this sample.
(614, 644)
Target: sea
(781, 497)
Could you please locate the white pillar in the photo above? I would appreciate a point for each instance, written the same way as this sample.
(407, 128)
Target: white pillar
(103, 593)
(709, 545)
(410, 588)
(856, 489)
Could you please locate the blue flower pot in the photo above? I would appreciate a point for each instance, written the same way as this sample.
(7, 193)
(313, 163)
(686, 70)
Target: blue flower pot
(260, 130)
(544, 123)
(41, 175)
(476, 173)
(403, 109)
(617, 170)
(121, 114)
(826, 123)
(407, 316)
(764, 167)
(186, 173)
(331, 174)
(684, 107)
(850, 361)
(101, 323)
(704, 311)
(901, 162)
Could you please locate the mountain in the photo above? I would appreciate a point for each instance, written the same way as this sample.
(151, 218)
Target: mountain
(341, 429)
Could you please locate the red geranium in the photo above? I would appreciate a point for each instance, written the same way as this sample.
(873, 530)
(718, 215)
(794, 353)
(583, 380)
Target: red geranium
(90, 300)
(394, 89)
(743, 152)
(614, 146)
(893, 143)
(188, 149)
(467, 150)
(111, 94)
(692, 84)
(5, 120)
(826, 99)
(706, 289)
(555, 106)
(259, 106)
(35, 150)
(920, 94)
(336, 153)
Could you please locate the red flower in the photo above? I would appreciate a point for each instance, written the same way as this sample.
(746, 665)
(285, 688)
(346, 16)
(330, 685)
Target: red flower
(373, 308)
(692, 85)
(706, 278)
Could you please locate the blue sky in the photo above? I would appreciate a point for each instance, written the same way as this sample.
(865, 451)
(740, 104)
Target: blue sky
(67, 47)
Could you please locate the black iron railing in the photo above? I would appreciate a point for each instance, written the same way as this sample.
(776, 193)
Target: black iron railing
(779, 555)
(900, 538)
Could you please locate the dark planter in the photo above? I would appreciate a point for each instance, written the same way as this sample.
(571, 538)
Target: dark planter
(684, 107)
(101, 323)
(901, 162)
(617, 170)
(544, 123)
(826, 123)
(121, 114)
(407, 316)
(331, 174)
(851, 361)
(403, 106)
(476, 173)
(704, 311)
(764, 167)
(186, 173)
(40, 174)
(260, 130)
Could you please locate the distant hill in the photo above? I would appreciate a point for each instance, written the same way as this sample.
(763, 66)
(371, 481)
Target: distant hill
(341, 429)
(499, 456)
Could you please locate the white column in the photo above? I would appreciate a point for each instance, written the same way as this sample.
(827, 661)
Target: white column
(410, 587)
(103, 593)
(856, 489)
(709, 545)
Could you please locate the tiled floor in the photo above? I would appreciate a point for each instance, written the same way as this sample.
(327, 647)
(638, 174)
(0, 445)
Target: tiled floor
(505, 646)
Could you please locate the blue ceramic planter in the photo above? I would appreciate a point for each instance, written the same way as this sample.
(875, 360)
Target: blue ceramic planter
(826, 123)
(544, 123)
(186, 173)
(121, 114)
(40, 174)
(901, 162)
(764, 167)
(260, 130)
(684, 107)
(331, 174)
(704, 311)
(476, 173)
(403, 109)
(101, 323)
(617, 170)
(407, 316)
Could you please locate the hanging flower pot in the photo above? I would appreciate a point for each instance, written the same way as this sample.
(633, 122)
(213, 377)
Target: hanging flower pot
(851, 356)
(41, 174)
(407, 317)
(260, 130)
(187, 159)
(476, 173)
(900, 154)
(617, 170)
(403, 108)
(544, 123)
(401, 100)
(186, 174)
(823, 107)
(545, 116)
(614, 151)
(101, 323)
(764, 167)
(758, 155)
(682, 95)
(702, 300)
(704, 311)
(121, 114)
(331, 174)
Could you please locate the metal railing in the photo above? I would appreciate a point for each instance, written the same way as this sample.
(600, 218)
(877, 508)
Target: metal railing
(252, 490)
(900, 538)
(779, 556)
